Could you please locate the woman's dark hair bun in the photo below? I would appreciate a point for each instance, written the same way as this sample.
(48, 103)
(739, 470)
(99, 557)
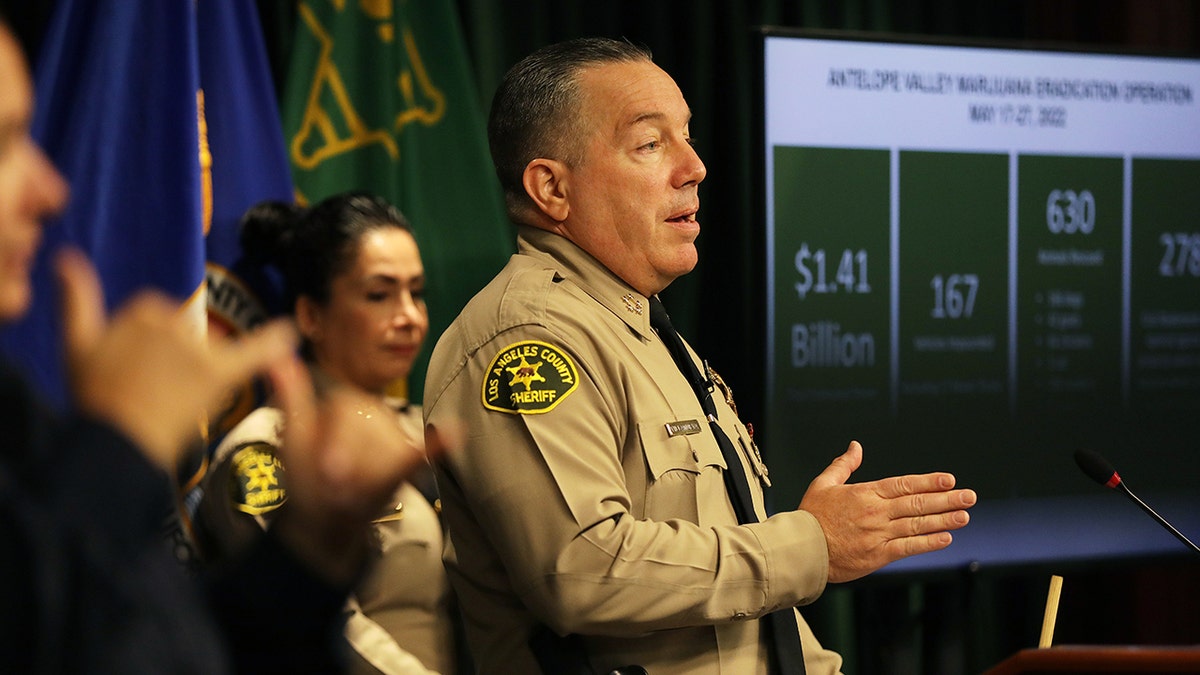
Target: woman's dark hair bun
(266, 231)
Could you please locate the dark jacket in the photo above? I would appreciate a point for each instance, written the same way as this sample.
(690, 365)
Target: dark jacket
(87, 584)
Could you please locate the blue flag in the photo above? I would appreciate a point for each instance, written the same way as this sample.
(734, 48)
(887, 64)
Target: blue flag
(116, 84)
(249, 164)
(162, 116)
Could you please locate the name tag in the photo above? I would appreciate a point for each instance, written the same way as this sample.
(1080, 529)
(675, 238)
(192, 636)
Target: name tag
(682, 428)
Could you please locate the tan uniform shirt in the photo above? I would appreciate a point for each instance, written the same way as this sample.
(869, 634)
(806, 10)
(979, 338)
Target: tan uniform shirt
(600, 508)
(398, 620)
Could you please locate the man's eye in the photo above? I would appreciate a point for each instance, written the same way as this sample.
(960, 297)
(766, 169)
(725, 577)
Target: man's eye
(652, 145)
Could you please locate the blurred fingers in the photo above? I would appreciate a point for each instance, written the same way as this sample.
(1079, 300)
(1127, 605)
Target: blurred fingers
(366, 440)
(82, 302)
(443, 439)
(294, 391)
(238, 360)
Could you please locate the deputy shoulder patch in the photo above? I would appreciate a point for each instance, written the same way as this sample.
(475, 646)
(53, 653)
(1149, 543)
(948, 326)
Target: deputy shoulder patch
(527, 378)
(256, 479)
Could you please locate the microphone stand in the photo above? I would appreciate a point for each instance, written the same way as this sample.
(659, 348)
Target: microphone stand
(1161, 521)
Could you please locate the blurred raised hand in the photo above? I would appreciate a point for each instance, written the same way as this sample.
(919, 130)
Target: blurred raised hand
(345, 456)
(144, 370)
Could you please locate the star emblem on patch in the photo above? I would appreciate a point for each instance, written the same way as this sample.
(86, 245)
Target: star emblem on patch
(255, 479)
(525, 373)
(261, 476)
(529, 377)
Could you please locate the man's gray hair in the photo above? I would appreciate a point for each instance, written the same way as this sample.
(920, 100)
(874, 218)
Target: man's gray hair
(535, 109)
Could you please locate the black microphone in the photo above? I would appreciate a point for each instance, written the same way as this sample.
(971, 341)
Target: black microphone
(1098, 469)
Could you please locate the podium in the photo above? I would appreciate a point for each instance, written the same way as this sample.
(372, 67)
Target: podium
(1100, 659)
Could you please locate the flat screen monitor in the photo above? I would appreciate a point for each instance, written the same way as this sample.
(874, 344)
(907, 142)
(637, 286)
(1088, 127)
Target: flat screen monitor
(979, 258)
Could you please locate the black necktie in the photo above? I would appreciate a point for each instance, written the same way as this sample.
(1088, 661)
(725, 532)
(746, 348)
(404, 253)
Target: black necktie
(780, 626)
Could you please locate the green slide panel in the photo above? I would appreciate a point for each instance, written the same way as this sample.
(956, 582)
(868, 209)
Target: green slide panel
(1165, 286)
(953, 283)
(831, 271)
(1070, 266)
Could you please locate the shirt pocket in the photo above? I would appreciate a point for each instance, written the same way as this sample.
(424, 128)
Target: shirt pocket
(677, 452)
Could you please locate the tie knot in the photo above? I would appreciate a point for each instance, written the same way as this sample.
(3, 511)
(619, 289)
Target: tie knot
(659, 320)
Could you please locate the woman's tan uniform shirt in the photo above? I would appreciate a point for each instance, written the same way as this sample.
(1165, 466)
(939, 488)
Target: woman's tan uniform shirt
(599, 508)
(398, 619)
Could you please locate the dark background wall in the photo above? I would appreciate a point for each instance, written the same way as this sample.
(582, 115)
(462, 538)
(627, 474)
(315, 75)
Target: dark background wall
(948, 622)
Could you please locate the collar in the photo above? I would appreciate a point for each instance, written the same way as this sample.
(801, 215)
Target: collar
(323, 383)
(590, 275)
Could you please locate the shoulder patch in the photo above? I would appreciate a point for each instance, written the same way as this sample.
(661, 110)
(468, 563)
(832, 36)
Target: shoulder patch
(529, 377)
(256, 479)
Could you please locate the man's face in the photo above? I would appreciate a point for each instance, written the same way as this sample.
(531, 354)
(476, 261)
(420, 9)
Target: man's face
(632, 199)
(30, 188)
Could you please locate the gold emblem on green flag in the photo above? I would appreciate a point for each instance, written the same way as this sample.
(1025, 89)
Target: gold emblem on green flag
(380, 97)
(332, 123)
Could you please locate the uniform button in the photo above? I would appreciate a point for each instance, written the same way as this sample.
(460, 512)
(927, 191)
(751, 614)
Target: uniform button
(740, 616)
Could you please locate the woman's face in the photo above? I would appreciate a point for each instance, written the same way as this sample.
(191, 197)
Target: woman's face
(372, 328)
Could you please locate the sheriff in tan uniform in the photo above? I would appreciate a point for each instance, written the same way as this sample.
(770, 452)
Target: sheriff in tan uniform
(590, 527)
(589, 497)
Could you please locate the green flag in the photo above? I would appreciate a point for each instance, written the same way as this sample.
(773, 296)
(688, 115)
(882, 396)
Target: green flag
(380, 97)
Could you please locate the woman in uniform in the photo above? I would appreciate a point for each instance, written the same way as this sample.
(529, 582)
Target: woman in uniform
(354, 281)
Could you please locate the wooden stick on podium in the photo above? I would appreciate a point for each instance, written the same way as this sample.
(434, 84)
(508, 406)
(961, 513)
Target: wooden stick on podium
(1051, 611)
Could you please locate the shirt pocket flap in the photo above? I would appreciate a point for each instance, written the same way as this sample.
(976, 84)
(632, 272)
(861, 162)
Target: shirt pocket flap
(674, 444)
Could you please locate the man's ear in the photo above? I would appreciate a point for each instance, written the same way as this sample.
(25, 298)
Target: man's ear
(546, 182)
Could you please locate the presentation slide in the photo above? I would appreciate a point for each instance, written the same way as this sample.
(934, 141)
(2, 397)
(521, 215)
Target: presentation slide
(979, 259)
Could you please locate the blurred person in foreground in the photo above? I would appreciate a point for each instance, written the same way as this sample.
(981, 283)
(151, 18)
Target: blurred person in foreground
(606, 511)
(355, 285)
(85, 581)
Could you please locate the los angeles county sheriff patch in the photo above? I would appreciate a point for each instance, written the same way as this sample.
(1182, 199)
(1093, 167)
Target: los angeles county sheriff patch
(256, 479)
(527, 378)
